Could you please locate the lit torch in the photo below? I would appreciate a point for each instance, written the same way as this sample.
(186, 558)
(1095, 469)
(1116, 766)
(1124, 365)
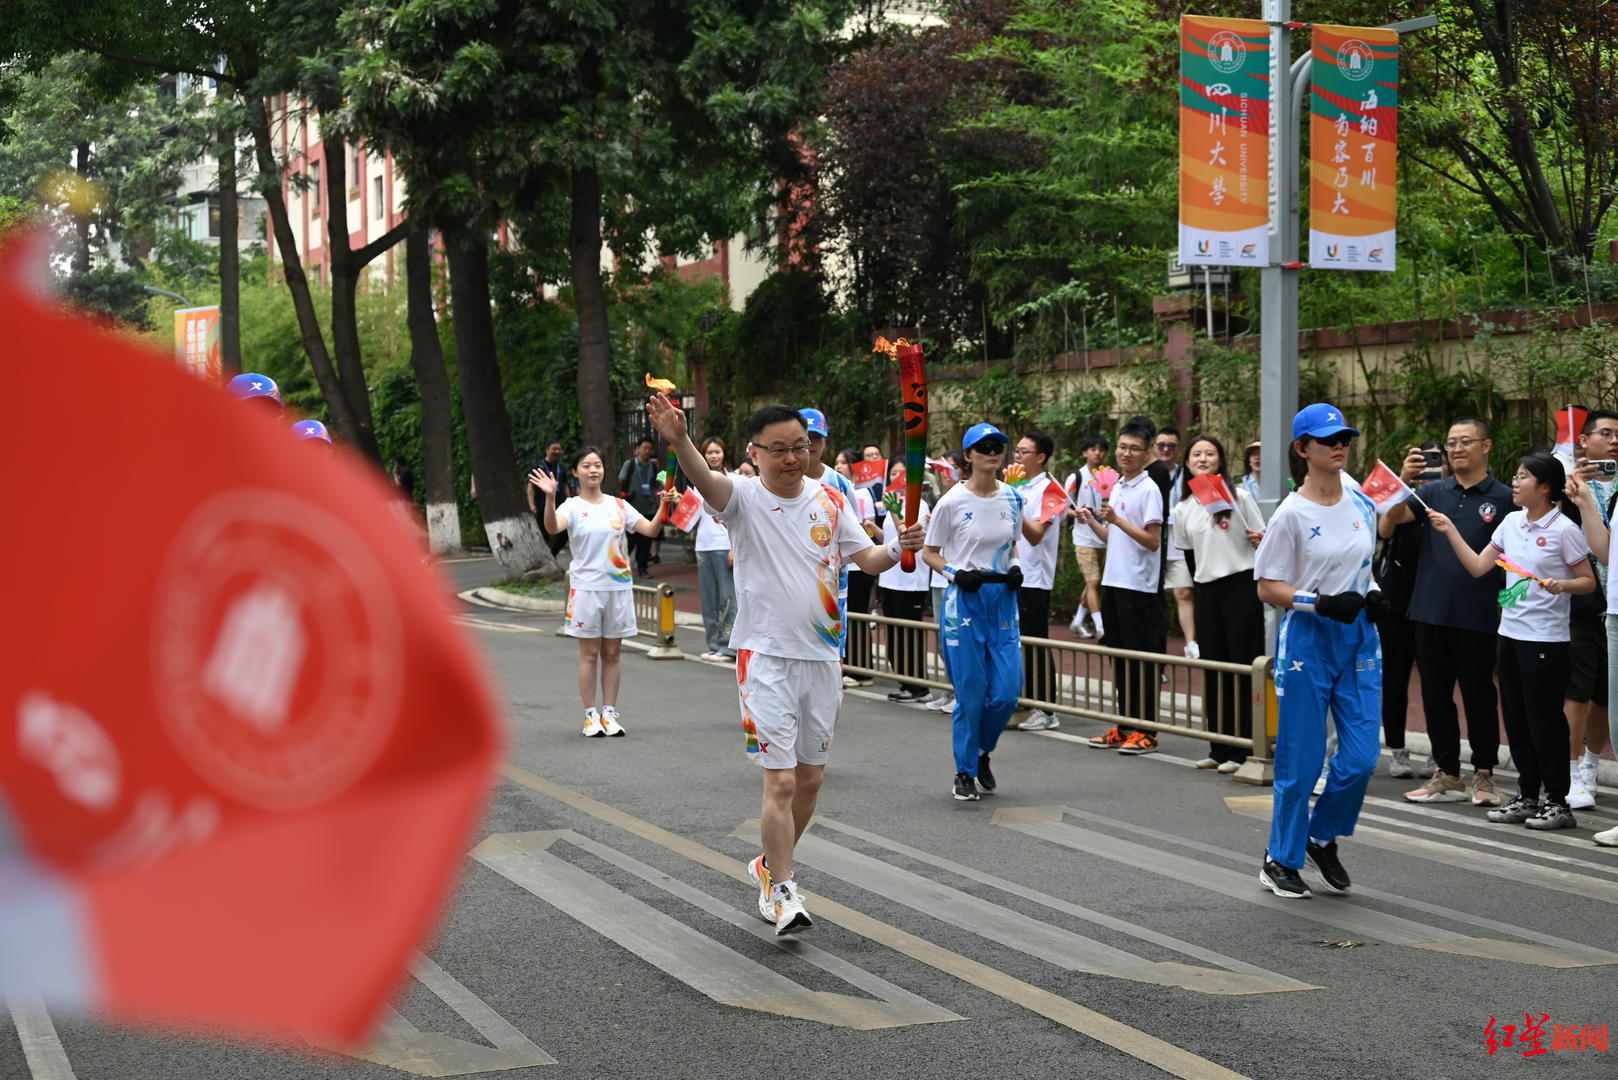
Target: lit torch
(913, 387)
(664, 387)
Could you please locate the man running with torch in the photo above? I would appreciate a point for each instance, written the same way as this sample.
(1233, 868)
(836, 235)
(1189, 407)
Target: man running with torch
(790, 537)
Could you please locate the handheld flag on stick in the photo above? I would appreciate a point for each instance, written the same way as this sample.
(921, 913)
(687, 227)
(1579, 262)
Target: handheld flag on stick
(940, 466)
(1053, 504)
(217, 752)
(913, 390)
(1212, 493)
(868, 473)
(685, 511)
(1384, 488)
(1569, 422)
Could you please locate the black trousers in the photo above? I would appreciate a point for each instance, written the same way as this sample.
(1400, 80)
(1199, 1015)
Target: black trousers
(1447, 656)
(1038, 666)
(1533, 681)
(1230, 627)
(1135, 620)
(860, 587)
(640, 548)
(553, 540)
(906, 646)
(1398, 635)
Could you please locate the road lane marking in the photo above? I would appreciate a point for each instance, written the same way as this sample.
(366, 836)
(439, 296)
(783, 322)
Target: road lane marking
(1478, 822)
(712, 969)
(400, 1044)
(1103, 1029)
(1446, 853)
(41, 1046)
(498, 627)
(1343, 913)
(1013, 929)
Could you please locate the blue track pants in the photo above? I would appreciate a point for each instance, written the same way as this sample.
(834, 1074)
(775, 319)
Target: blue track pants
(981, 642)
(1322, 664)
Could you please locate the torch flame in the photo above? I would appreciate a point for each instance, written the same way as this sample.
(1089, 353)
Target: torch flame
(883, 345)
(662, 385)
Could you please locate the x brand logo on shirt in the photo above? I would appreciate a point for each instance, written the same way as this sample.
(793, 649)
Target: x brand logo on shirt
(969, 515)
(1314, 532)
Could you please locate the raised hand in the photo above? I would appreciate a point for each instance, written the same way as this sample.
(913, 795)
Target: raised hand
(543, 480)
(666, 418)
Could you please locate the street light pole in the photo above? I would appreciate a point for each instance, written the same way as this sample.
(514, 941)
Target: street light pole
(165, 292)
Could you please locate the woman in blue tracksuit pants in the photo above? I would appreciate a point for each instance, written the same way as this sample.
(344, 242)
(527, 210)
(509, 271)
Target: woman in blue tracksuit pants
(1315, 565)
(970, 542)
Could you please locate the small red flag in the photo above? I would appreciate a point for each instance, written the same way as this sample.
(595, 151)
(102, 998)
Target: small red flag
(868, 473)
(1212, 493)
(1569, 423)
(1384, 488)
(249, 758)
(685, 511)
(1053, 503)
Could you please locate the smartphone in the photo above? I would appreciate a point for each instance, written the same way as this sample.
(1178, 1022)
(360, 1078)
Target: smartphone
(1435, 465)
(1606, 471)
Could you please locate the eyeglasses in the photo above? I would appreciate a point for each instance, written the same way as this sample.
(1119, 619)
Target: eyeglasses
(1342, 438)
(1461, 444)
(779, 452)
(988, 448)
(1021, 452)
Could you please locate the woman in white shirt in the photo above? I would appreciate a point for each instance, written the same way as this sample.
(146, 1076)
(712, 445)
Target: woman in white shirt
(1603, 541)
(600, 601)
(1229, 617)
(1534, 659)
(715, 575)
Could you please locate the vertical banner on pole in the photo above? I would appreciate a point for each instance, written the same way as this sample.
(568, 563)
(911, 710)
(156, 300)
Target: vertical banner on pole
(1224, 141)
(196, 342)
(1353, 142)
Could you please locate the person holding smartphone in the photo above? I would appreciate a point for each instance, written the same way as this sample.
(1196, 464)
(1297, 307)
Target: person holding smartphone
(1456, 614)
(1587, 684)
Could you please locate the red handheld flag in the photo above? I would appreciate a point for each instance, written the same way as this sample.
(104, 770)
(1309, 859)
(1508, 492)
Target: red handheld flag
(1384, 488)
(1053, 503)
(1212, 493)
(248, 764)
(868, 473)
(685, 511)
(1569, 423)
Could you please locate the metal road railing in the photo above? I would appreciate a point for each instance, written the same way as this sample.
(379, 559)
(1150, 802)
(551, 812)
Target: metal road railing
(1200, 699)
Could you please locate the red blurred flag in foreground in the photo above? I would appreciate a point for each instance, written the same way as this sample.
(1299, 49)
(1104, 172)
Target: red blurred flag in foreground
(243, 746)
(1053, 502)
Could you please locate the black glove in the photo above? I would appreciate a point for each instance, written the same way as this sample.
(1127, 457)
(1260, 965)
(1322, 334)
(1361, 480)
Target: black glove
(969, 580)
(1345, 607)
(1377, 606)
(1014, 578)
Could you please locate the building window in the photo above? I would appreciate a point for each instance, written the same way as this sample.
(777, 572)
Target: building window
(213, 216)
(314, 185)
(376, 198)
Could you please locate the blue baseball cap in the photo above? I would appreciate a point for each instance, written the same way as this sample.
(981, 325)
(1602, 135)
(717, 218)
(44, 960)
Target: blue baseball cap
(250, 384)
(1320, 421)
(815, 421)
(978, 432)
(311, 429)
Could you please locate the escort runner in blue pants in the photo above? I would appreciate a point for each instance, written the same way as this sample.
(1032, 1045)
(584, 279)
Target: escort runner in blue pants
(1321, 663)
(982, 648)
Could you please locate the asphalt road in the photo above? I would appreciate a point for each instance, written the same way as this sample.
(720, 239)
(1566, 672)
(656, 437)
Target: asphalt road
(1098, 917)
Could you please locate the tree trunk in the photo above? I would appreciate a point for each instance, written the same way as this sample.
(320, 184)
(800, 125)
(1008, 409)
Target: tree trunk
(345, 277)
(314, 346)
(590, 302)
(230, 284)
(432, 383)
(513, 533)
(81, 243)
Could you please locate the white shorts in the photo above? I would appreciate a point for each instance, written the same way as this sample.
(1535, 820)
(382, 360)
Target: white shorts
(789, 708)
(1176, 576)
(593, 613)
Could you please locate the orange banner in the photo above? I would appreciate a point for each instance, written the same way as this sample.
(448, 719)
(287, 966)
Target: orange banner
(196, 342)
(1353, 144)
(1224, 141)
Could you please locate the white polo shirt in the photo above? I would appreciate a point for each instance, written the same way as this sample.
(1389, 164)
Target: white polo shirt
(1221, 547)
(1131, 565)
(1038, 561)
(1548, 548)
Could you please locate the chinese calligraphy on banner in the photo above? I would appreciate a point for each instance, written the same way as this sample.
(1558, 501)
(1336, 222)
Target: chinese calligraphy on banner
(196, 342)
(1224, 141)
(1353, 137)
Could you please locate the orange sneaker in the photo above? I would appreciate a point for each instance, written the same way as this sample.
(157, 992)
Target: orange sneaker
(1111, 739)
(1139, 742)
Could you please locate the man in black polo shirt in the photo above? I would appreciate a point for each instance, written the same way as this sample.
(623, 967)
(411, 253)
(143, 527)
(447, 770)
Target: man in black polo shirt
(1456, 615)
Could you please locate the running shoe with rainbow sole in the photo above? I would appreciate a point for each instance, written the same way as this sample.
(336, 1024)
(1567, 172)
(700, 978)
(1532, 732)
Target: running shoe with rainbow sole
(761, 877)
(790, 916)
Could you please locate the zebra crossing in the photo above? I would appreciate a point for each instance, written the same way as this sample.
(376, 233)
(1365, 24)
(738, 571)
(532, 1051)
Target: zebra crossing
(690, 933)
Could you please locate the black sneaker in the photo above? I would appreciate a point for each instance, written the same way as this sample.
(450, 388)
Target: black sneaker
(1327, 866)
(907, 694)
(1283, 881)
(985, 777)
(966, 789)
(1515, 812)
(1552, 815)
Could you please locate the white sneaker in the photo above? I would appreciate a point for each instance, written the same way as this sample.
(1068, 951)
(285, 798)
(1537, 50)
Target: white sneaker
(1039, 720)
(1229, 766)
(713, 657)
(609, 721)
(1077, 624)
(1608, 838)
(761, 877)
(1589, 772)
(1193, 651)
(592, 725)
(1207, 763)
(943, 704)
(1578, 796)
(849, 682)
(790, 917)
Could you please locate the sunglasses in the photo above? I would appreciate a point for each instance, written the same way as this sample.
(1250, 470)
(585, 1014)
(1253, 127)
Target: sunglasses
(1342, 438)
(989, 447)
